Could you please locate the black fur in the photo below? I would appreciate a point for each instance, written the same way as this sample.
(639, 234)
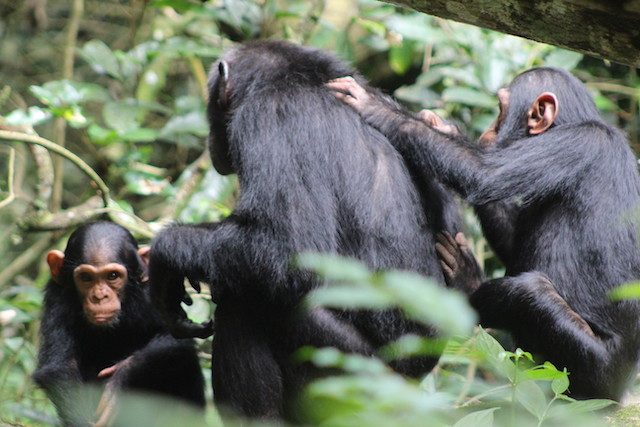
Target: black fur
(563, 203)
(73, 351)
(313, 177)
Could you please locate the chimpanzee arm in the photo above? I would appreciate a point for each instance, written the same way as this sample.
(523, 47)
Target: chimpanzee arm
(218, 254)
(58, 372)
(528, 169)
(497, 221)
(177, 252)
(550, 163)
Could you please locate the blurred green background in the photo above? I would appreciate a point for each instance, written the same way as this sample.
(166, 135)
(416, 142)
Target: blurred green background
(122, 84)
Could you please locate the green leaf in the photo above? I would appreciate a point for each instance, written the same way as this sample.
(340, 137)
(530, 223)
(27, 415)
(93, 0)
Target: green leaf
(401, 57)
(59, 93)
(429, 303)
(32, 117)
(101, 58)
(413, 345)
(468, 96)
(374, 27)
(625, 292)
(194, 123)
(482, 418)
(494, 355)
(418, 94)
(181, 6)
(561, 384)
(333, 267)
(339, 296)
(140, 135)
(121, 116)
(545, 372)
(579, 407)
(562, 58)
(531, 397)
(100, 135)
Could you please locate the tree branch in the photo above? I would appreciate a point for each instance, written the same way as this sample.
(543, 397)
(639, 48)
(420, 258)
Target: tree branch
(25, 259)
(7, 137)
(12, 166)
(60, 124)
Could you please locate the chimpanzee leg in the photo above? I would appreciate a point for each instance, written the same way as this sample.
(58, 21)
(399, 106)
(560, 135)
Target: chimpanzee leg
(529, 306)
(245, 374)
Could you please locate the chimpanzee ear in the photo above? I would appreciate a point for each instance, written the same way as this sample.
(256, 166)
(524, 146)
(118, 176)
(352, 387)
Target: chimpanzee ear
(144, 252)
(542, 114)
(55, 259)
(223, 83)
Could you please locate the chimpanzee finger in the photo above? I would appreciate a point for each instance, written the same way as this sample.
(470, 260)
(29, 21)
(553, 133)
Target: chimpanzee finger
(188, 329)
(447, 242)
(446, 256)
(446, 270)
(107, 372)
(461, 240)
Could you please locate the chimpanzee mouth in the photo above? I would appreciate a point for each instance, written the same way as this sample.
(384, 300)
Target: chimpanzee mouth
(103, 319)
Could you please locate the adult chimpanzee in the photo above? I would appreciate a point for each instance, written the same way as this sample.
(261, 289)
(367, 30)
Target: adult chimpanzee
(313, 177)
(98, 326)
(556, 190)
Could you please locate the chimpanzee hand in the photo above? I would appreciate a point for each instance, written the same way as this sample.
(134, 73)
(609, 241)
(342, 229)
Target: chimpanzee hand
(460, 268)
(434, 121)
(167, 300)
(350, 92)
(111, 370)
(367, 104)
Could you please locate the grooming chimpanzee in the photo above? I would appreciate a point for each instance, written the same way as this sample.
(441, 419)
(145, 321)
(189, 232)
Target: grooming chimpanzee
(99, 327)
(557, 192)
(313, 177)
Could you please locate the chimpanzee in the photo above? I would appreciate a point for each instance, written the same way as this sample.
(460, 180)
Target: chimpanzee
(556, 190)
(98, 326)
(313, 177)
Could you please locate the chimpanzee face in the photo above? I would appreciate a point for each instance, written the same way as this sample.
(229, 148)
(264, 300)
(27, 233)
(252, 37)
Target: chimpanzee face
(100, 286)
(100, 280)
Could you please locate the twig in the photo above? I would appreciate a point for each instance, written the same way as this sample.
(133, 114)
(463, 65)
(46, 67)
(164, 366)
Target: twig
(7, 137)
(60, 124)
(12, 166)
(44, 168)
(25, 259)
(47, 221)
(193, 175)
(197, 69)
(612, 87)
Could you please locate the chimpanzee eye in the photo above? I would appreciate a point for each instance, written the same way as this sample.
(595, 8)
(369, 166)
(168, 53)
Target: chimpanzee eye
(112, 275)
(85, 277)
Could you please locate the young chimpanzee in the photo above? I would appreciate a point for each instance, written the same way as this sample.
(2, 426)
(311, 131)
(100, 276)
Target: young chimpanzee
(313, 177)
(99, 327)
(557, 192)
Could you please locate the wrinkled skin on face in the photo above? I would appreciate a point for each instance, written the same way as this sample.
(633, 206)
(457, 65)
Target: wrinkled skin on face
(99, 282)
(99, 287)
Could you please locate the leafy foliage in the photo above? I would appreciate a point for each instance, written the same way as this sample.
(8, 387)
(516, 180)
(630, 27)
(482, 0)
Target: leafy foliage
(134, 110)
